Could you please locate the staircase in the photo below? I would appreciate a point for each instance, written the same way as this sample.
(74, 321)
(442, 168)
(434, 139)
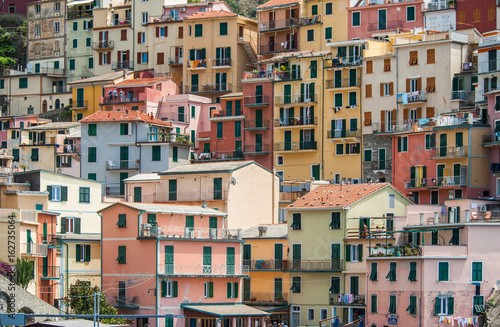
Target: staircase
(250, 50)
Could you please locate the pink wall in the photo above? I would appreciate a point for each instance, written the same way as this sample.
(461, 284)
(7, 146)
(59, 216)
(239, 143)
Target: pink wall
(14, 122)
(495, 150)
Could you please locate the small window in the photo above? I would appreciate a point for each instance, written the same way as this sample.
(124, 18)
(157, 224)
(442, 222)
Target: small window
(122, 254)
(310, 35)
(208, 290)
(339, 149)
(402, 143)
(310, 314)
(335, 220)
(477, 272)
(122, 220)
(35, 154)
(223, 28)
(296, 221)
(413, 272)
(374, 272)
(92, 130)
(84, 194)
(328, 33)
(156, 153)
(478, 305)
(410, 13)
(356, 18)
(430, 141)
(198, 30)
(392, 304)
(296, 284)
(392, 274)
(23, 83)
(374, 303)
(280, 161)
(328, 8)
(82, 252)
(412, 307)
(145, 17)
(368, 155)
(443, 271)
(392, 201)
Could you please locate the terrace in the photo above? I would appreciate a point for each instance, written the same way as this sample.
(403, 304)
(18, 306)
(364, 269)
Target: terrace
(194, 233)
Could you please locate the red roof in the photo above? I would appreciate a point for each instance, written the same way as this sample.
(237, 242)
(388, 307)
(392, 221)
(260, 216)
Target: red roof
(211, 14)
(275, 3)
(334, 196)
(137, 81)
(122, 116)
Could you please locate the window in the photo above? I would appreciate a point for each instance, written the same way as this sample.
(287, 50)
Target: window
(477, 271)
(168, 288)
(444, 306)
(338, 100)
(23, 83)
(145, 17)
(385, 89)
(328, 8)
(105, 58)
(122, 254)
(387, 65)
(193, 111)
(91, 63)
(353, 100)
(232, 290)
(88, 42)
(34, 155)
(430, 141)
(296, 284)
(476, 15)
(412, 307)
(335, 285)
(443, 271)
(356, 18)
(310, 314)
(335, 220)
(92, 130)
(296, 221)
(12, 8)
(392, 304)
(72, 64)
(353, 252)
(2, 83)
(392, 274)
(410, 13)
(328, 33)
(478, 304)
(15, 154)
(373, 273)
(310, 35)
(402, 143)
(280, 161)
(57, 6)
(198, 30)
(459, 139)
(122, 220)
(413, 272)
(431, 56)
(392, 201)
(314, 9)
(172, 190)
(352, 148)
(70, 225)
(339, 149)
(223, 28)
(156, 153)
(413, 58)
(374, 303)
(314, 69)
(208, 290)
(37, 29)
(92, 154)
(57, 27)
(82, 253)
(75, 26)
(369, 67)
(142, 38)
(143, 57)
(237, 129)
(368, 155)
(57, 193)
(219, 130)
(323, 314)
(431, 85)
(125, 128)
(84, 194)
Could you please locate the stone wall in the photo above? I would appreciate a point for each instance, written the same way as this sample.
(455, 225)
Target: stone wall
(371, 169)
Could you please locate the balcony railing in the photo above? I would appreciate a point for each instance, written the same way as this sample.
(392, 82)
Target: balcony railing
(489, 39)
(459, 95)
(103, 45)
(23, 215)
(438, 5)
(222, 62)
(122, 164)
(296, 146)
(488, 66)
(378, 165)
(71, 148)
(253, 149)
(291, 196)
(383, 250)
(137, 97)
(413, 97)
(28, 216)
(295, 121)
(256, 100)
(50, 239)
(79, 14)
(312, 265)
(176, 61)
(278, 47)
(209, 88)
(264, 264)
(342, 133)
(219, 156)
(80, 104)
(372, 233)
(450, 151)
(118, 22)
(34, 249)
(265, 297)
(399, 126)
(343, 62)
(191, 196)
(126, 302)
(51, 272)
(59, 89)
(279, 24)
(380, 26)
(311, 20)
(491, 138)
(196, 64)
(445, 181)
(189, 232)
(345, 82)
(202, 270)
(288, 99)
(343, 300)
(257, 124)
(257, 75)
(125, 64)
(115, 190)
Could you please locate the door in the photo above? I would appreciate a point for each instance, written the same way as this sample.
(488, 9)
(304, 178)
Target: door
(364, 227)
(278, 290)
(288, 140)
(442, 145)
(180, 114)
(287, 90)
(230, 261)
(247, 255)
(207, 260)
(123, 176)
(79, 97)
(354, 285)
(352, 77)
(258, 94)
(315, 172)
(28, 241)
(258, 142)
(194, 83)
(137, 194)
(124, 157)
(295, 319)
(278, 256)
(189, 231)
(169, 259)
(456, 174)
(382, 19)
(217, 188)
(296, 256)
(212, 224)
(440, 175)
(381, 159)
(246, 289)
(492, 60)
(271, 42)
(336, 257)
(258, 118)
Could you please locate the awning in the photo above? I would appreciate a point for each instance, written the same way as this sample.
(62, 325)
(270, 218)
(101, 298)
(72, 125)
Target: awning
(226, 310)
(79, 2)
(272, 308)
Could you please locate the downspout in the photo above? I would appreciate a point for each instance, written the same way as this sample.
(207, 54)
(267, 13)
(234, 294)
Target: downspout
(98, 213)
(157, 299)
(322, 118)
(67, 272)
(420, 297)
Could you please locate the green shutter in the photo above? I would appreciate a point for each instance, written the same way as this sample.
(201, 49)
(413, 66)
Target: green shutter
(399, 144)
(451, 306)
(78, 250)
(169, 259)
(175, 154)
(230, 260)
(373, 273)
(347, 252)
(163, 288)
(87, 253)
(437, 306)
(413, 272)
(207, 256)
(374, 303)
(174, 288)
(335, 252)
(228, 290)
(63, 225)
(78, 225)
(360, 252)
(236, 290)
(459, 139)
(156, 153)
(64, 193)
(443, 271)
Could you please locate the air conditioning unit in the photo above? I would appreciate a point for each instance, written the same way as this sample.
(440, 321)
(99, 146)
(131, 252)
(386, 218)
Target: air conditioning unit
(483, 208)
(183, 9)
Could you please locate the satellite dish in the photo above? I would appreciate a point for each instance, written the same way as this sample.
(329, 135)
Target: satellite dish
(233, 180)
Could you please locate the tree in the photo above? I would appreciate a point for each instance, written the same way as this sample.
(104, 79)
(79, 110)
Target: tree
(81, 301)
(25, 272)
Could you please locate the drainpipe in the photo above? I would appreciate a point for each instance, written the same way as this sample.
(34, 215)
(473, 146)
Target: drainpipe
(322, 119)
(67, 273)
(101, 247)
(420, 297)
(157, 298)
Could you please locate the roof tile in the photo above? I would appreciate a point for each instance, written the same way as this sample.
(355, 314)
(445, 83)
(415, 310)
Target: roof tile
(274, 3)
(211, 14)
(134, 115)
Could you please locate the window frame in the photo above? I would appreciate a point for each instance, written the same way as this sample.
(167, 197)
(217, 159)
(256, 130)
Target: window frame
(472, 271)
(359, 18)
(438, 270)
(83, 194)
(414, 13)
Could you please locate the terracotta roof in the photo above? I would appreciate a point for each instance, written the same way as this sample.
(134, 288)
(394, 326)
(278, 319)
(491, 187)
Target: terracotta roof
(275, 3)
(131, 116)
(137, 82)
(109, 77)
(335, 196)
(211, 14)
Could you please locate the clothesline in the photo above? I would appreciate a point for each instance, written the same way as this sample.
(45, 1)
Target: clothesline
(460, 322)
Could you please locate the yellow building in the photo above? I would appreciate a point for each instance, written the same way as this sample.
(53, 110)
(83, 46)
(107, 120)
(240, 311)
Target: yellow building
(325, 261)
(267, 285)
(87, 92)
(219, 46)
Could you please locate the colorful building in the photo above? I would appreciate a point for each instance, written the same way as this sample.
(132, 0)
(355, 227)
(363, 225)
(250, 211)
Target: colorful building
(194, 259)
(492, 141)
(479, 15)
(79, 51)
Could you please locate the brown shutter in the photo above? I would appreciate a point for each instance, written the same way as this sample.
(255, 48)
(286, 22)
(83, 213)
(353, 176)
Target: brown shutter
(368, 90)
(391, 88)
(100, 36)
(393, 116)
(160, 58)
(181, 32)
(368, 118)
(431, 84)
(419, 113)
(381, 89)
(166, 31)
(157, 31)
(408, 85)
(369, 67)
(387, 65)
(127, 55)
(139, 37)
(382, 121)
(419, 84)
(431, 56)
(138, 57)
(100, 58)
(429, 112)
(118, 56)
(405, 114)
(124, 35)
(413, 57)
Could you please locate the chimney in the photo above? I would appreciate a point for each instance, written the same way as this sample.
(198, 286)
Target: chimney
(262, 230)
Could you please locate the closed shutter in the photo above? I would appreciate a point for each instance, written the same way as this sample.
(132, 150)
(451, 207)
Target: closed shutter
(369, 67)
(87, 253)
(429, 112)
(78, 225)
(368, 118)
(431, 58)
(368, 90)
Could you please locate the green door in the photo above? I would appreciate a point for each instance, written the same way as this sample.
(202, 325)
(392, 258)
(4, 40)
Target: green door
(354, 285)
(169, 259)
(194, 83)
(288, 140)
(247, 254)
(278, 290)
(352, 77)
(124, 157)
(212, 224)
(180, 114)
(278, 256)
(258, 118)
(381, 158)
(338, 78)
(440, 174)
(189, 226)
(137, 194)
(287, 90)
(123, 176)
(492, 59)
(79, 98)
(456, 174)
(296, 256)
(28, 241)
(382, 19)
(218, 188)
(258, 94)
(246, 289)
(336, 257)
(45, 231)
(442, 145)
(315, 172)
(230, 261)
(45, 268)
(258, 142)
(207, 260)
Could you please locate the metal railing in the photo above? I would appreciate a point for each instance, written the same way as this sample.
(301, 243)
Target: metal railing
(344, 82)
(256, 100)
(373, 233)
(491, 138)
(438, 5)
(28, 216)
(450, 151)
(296, 146)
(445, 181)
(279, 24)
(256, 149)
(103, 45)
(219, 156)
(125, 64)
(59, 89)
(118, 22)
(175, 61)
(138, 97)
(261, 74)
(194, 64)
(71, 148)
(122, 164)
(51, 239)
(80, 104)
(189, 232)
(271, 264)
(488, 66)
(288, 99)
(310, 20)
(343, 62)
(265, 297)
(191, 196)
(209, 88)
(459, 95)
(312, 265)
(378, 164)
(202, 270)
(340, 299)
(115, 190)
(257, 124)
(398, 126)
(295, 121)
(34, 249)
(389, 250)
(222, 62)
(79, 14)
(278, 47)
(291, 196)
(380, 26)
(175, 116)
(287, 75)
(126, 302)
(412, 97)
(342, 133)
(51, 272)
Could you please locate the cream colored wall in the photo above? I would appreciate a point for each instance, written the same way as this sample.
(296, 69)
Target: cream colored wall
(46, 157)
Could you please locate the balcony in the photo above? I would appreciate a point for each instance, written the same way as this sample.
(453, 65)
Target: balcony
(79, 14)
(82, 104)
(462, 95)
(295, 100)
(226, 62)
(445, 181)
(279, 24)
(372, 233)
(278, 47)
(492, 39)
(400, 126)
(137, 97)
(263, 264)
(256, 100)
(175, 61)
(123, 164)
(265, 298)
(256, 149)
(312, 265)
(340, 299)
(295, 121)
(103, 45)
(287, 75)
(342, 62)
(209, 88)
(126, 302)
(115, 190)
(202, 270)
(71, 148)
(219, 156)
(257, 125)
(311, 20)
(291, 196)
(191, 196)
(381, 26)
(438, 5)
(450, 151)
(59, 89)
(50, 239)
(34, 249)
(262, 75)
(197, 64)
(125, 64)
(51, 272)
(488, 66)
(413, 97)
(490, 140)
(295, 146)
(345, 82)
(343, 133)
(181, 232)
(23, 215)
(118, 22)
(378, 165)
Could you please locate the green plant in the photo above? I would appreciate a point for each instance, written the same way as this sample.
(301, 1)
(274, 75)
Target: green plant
(25, 272)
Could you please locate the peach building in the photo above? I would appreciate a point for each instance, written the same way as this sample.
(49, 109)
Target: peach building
(437, 265)
(175, 260)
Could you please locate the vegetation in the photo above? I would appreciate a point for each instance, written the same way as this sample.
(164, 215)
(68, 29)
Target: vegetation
(81, 301)
(12, 41)
(25, 272)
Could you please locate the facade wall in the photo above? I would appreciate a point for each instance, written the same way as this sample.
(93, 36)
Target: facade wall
(82, 54)
(486, 21)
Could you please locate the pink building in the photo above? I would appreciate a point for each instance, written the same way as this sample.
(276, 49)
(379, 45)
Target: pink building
(492, 141)
(9, 123)
(174, 260)
(143, 94)
(442, 265)
(378, 18)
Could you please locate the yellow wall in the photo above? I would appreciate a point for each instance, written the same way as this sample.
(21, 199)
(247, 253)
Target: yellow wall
(91, 96)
